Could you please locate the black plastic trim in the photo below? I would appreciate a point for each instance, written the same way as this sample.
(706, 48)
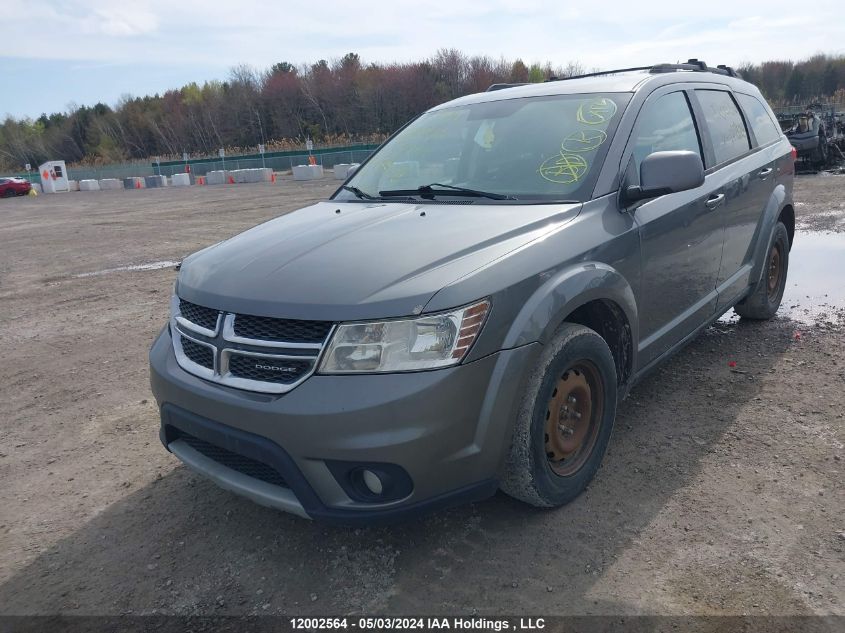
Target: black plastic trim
(247, 444)
(397, 483)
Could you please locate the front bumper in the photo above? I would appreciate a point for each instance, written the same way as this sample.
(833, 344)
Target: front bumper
(448, 430)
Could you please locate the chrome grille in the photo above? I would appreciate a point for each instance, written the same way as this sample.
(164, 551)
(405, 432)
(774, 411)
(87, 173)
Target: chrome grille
(197, 353)
(248, 352)
(264, 369)
(204, 317)
(267, 329)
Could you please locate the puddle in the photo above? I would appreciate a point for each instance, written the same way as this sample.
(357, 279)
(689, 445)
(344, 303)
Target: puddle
(815, 283)
(150, 266)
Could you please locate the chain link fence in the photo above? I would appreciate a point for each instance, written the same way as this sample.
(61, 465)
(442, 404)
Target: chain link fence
(327, 159)
(276, 163)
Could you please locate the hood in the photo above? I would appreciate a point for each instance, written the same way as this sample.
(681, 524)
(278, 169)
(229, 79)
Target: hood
(345, 261)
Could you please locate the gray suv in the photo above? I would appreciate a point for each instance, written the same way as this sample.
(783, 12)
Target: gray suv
(464, 314)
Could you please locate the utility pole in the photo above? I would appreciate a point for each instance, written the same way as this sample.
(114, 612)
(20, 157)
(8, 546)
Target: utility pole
(261, 131)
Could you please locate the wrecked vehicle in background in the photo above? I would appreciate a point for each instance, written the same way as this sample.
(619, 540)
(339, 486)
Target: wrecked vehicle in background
(808, 136)
(816, 131)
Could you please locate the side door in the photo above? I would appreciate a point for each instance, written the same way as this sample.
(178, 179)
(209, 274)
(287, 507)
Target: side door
(680, 233)
(735, 166)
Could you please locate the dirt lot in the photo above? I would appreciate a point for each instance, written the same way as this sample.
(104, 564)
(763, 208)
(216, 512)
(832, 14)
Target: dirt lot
(722, 492)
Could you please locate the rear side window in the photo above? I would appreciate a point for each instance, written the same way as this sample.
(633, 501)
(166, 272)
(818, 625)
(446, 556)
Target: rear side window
(665, 124)
(725, 124)
(758, 116)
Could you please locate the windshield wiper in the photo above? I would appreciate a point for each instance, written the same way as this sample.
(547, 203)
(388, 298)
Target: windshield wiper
(428, 190)
(363, 195)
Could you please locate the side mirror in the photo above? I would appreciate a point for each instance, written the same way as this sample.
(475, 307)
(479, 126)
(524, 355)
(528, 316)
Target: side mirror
(667, 172)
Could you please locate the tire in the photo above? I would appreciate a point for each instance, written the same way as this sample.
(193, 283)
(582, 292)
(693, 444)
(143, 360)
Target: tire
(549, 471)
(764, 299)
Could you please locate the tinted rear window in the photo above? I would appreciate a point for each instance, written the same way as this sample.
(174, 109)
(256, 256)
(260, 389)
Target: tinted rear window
(758, 117)
(725, 125)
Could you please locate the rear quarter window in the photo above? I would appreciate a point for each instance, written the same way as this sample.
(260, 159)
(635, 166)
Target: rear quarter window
(725, 125)
(757, 115)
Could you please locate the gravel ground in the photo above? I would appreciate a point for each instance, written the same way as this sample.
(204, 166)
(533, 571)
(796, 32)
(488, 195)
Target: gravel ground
(722, 492)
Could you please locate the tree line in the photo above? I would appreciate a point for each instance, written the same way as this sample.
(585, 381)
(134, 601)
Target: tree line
(333, 103)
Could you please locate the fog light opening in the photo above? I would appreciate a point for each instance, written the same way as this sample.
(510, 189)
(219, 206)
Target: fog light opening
(373, 482)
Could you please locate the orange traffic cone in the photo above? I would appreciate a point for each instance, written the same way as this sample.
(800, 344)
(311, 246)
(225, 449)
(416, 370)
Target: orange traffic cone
(231, 180)
(273, 177)
(137, 184)
(312, 160)
(201, 180)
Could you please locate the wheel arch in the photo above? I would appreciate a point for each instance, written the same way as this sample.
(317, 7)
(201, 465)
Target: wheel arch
(592, 294)
(778, 206)
(787, 216)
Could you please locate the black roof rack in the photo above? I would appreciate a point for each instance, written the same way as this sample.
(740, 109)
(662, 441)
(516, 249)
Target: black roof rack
(693, 65)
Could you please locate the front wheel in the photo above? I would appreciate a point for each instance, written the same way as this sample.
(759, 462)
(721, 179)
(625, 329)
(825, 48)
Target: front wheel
(565, 421)
(764, 300)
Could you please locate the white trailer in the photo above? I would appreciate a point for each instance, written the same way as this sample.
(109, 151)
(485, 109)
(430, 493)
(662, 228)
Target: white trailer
(54, 176)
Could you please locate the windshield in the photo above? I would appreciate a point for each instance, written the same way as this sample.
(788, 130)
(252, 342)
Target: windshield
(536, 148)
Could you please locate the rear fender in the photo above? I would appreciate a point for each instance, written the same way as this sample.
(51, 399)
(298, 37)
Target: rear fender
(777, 201)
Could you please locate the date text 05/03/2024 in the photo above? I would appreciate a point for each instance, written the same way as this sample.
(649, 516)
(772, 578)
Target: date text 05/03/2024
(418, 624)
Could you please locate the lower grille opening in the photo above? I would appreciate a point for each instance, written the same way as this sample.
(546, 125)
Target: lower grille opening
(244, 465)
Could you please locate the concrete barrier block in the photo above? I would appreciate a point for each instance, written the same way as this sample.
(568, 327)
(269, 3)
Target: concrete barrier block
(155, 181)
(307, 172)
(217, 177)
(180, 180)
(342, 171)
(73, 185)
(89, 185)
(134, 182)
(110, 184)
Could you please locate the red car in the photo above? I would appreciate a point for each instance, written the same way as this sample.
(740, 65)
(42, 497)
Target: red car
(11, 187)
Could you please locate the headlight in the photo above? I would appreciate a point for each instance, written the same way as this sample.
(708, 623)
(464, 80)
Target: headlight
(427, 342)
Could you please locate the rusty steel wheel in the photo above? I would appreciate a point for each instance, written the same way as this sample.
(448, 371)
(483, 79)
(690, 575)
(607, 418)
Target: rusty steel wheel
(565, 420)
(774, 272)
(573, 416)
(765, 296)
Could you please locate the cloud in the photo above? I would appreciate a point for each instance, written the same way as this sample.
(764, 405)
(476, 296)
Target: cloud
(127, 22)
(221, 33)
(166, 41)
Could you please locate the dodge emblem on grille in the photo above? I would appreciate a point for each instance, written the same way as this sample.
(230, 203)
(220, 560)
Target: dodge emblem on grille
(274, 368)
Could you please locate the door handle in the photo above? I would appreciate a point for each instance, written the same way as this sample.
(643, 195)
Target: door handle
(714, 201)
(764, 173)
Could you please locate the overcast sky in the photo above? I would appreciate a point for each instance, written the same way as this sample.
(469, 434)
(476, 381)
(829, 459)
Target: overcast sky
(54, 53)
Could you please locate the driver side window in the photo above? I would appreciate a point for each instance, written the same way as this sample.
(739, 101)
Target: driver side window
(665, 124)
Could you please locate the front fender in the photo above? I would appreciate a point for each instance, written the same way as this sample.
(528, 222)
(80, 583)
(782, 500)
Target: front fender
(563, 293)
